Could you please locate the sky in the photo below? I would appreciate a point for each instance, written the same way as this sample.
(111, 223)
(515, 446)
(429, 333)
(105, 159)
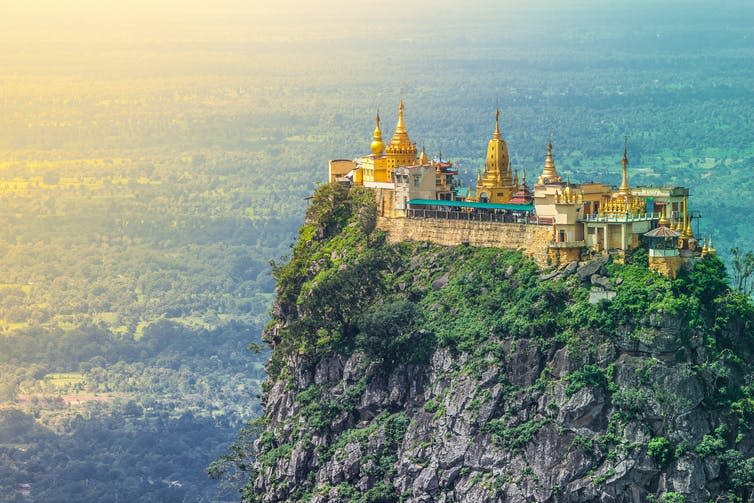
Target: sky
(142, 20)
(34, 23)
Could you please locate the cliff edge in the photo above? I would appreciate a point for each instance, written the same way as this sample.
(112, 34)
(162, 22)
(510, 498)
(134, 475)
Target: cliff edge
(416, 372)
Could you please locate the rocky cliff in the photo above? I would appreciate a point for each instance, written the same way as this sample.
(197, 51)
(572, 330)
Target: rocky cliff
(416, 372)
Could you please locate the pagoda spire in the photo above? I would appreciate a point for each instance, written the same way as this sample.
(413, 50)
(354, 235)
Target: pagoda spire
(625, 188)
(401, 127)
(686, 223)
(496, 168)
(377, 145)
(496, 134)
(401, 136)
(549, 173)
(400, 151)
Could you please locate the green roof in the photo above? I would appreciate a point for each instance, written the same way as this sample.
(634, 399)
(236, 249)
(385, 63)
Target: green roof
(470, 204)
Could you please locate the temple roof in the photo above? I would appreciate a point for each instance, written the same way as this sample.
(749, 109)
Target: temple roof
(523, 196)
(662, 232)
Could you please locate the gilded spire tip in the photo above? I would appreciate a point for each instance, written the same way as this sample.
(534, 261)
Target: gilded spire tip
(377, 146)
(400, 137)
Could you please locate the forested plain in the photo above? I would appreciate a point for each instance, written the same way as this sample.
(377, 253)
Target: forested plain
(144, 188)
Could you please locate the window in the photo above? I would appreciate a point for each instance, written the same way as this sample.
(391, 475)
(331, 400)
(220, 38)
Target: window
(417, 180)
(562, 236)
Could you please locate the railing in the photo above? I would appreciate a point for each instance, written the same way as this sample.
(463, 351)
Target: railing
(620, 218)
(473, 216)
(567, 244)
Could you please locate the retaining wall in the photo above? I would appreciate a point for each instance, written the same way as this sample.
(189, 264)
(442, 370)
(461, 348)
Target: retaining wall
(531, 239)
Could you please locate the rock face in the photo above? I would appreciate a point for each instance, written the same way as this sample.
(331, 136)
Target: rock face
(497, 433)
(466, 378)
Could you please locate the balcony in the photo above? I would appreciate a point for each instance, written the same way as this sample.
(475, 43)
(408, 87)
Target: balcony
(618, 218)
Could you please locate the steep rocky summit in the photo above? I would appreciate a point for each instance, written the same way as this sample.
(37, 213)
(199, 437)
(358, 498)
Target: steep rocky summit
(414, 372)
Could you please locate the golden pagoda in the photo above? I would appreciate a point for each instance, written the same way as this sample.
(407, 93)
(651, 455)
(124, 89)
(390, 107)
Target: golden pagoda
(623, 202)
(373, 168)
(378, 148)
(400, 151)
(495, 184)
(549, 173)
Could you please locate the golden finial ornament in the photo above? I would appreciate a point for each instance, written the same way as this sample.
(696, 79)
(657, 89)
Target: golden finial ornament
(377, 145)
(686, 229)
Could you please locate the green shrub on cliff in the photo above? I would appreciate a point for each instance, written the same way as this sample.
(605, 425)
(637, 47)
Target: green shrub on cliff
(659, 449)
(333, 275)
(388, 332)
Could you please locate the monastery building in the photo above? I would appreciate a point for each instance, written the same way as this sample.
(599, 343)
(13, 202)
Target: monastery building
(554, 221)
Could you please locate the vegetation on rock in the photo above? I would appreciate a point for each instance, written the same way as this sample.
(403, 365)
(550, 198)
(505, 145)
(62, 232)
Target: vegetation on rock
(395, 366)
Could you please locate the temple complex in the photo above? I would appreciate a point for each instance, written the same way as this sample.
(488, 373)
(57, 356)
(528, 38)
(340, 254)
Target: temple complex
(577, 219)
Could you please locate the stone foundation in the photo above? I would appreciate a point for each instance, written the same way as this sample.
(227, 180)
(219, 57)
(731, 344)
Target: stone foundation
(561, 256)
(531, 239)
(668, 266)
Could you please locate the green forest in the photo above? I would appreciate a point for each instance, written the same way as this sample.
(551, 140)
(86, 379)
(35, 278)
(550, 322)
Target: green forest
(127, 310)
(146, 185)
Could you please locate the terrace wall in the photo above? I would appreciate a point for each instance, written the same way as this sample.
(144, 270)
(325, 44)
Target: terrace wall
(529, 238)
